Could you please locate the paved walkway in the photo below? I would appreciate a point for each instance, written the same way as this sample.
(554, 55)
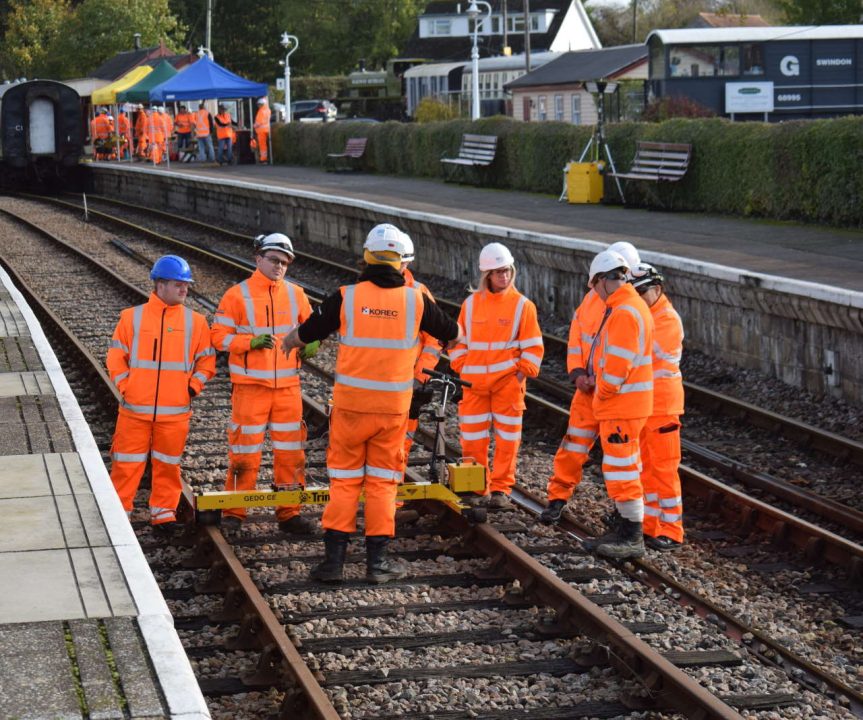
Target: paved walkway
(803, 252)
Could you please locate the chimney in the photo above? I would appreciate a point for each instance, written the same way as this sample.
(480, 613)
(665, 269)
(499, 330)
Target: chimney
(362, 64)
(137, 37)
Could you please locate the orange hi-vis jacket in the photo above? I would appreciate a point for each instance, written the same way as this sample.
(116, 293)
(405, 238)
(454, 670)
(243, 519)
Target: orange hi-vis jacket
(503, 338)
(224, 130)
(378, 341)
(586, 321)
(667, 351)
(202, 123)
(123, 125)
(262, 119)
(141, 123)
(183, 122)
(259, 306)
(155, 127)
(622, 361)
(429, 347)
(157, 353)
(101, 127)
(167, 124)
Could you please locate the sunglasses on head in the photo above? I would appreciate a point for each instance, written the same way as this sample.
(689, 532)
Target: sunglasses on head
(614, 275)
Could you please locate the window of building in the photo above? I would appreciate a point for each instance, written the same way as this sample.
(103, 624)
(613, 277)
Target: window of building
(495, 25)
(576, 109)
(542, 112)
(753, 59)
(440, 27)
(558, 108)
(515, 22)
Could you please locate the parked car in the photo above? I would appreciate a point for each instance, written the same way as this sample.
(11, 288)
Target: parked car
(322, 110)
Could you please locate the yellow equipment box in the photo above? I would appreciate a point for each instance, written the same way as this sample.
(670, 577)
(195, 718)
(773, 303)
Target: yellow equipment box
(584, 183)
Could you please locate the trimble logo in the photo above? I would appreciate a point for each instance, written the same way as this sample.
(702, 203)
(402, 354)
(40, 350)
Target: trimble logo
(379, 312)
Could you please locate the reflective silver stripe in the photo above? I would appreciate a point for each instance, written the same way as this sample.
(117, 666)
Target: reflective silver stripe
(156, 365)
(640, 320)
(434, 352)
(120, 376)
(249, 429)
(483, 346)
(578, 432)
(137, 314)
(641, 360)
(636, 387)
(658, 374)
(374, 384)
(672, 357)
(585, 338)
(167, 459)
(506, 419)
(285, 427)
(205, 353)
(295, 308)
(117, 345)
(377, 472)
(517, 319)
(652, 511)
(574, 351)
(159, 409)
(247, 449)
(530, 342)
(670, 517)
(575, 447)
(651, 497)
(457, 354)
(263, 374)
(247, 330)
(408, 341)
(188, 321)
(224, 320)
(620, 476)
(354, 473)
(479, 435)
(226, 343)
(613, 379)
(531, 358)
(620, 352)
(468, 315)
(129, 457)
(201, 377)
(157, 513)
(485, 417)
(670, 502)
(283, 445)
(504, 435)
(484, 369)
(249, 304)
(411, 435)
(620, 461)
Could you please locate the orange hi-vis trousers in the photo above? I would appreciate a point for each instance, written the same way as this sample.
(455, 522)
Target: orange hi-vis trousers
(503, 405)
(575, 447)
(137, 438)
(254, 410)
(366, 454)
(263, 138)
(621, 460)
(660, 455)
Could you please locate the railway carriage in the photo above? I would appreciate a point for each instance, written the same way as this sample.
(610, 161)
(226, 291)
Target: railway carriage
(41, 135)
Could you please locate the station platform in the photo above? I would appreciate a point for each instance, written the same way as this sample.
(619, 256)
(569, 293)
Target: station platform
(806, 253)
(84, 629)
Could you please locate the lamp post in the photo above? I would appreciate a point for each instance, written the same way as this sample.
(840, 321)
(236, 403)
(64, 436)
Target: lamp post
(473, 13)
(290, 43)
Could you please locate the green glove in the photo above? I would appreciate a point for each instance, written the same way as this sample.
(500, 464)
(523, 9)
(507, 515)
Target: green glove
(262, 341)
(310, 350)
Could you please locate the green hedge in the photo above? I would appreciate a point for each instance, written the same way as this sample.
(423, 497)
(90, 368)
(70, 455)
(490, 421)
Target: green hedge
(802, 170)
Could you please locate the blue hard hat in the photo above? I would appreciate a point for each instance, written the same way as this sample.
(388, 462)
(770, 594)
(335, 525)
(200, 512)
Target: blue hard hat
(171, 267)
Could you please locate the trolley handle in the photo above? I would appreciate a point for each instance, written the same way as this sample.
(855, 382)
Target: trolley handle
(446, 377)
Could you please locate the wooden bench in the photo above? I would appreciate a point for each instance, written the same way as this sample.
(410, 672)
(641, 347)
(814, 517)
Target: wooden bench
(475, 156)
(658, 162)
(350, 159)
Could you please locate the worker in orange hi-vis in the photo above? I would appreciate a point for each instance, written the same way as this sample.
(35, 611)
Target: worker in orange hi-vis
(203, 137)
(583, 427)
(183, 124)
(142, 138)
(156, 133)
(660, 438)
(262, 130)
(167, 128)
(160, 358)
(379, 321)
(250, 321)
(124, 130)
(101, 128)
(428, 352)
(503, 346)
(622, 401)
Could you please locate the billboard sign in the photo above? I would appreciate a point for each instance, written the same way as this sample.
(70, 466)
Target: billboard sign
(748, 97)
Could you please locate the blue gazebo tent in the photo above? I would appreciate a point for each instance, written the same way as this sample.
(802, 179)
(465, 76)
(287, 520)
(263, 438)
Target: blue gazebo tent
(206, 80)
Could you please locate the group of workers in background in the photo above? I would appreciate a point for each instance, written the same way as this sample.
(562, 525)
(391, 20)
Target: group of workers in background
(150, 133)
(624, 353)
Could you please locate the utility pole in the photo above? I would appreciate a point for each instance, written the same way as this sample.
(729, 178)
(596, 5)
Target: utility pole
(634, 19)
(527, 35)
(209, 27)
(505, 29)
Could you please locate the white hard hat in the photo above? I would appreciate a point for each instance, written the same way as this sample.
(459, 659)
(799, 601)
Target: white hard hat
(604, 262)
(274, 241)
(627, 249)
(495, 256)
(408, 254)
(387, 238)
(262, 101)
(644, 275)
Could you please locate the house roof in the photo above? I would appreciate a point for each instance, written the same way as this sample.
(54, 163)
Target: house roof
(583, 65)
(689, 36)
(458, 48)
(117, 66)
(716, 20)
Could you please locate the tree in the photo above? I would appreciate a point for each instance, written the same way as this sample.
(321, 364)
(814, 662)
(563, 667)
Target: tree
(822, 12)
(32, 27)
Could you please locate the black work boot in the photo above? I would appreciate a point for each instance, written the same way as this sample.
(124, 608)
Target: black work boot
(379, 568)
(612, 522)
(629, 542)
(331, 570)
(551, 515)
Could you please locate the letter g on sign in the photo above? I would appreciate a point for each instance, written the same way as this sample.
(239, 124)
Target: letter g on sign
(790, 66)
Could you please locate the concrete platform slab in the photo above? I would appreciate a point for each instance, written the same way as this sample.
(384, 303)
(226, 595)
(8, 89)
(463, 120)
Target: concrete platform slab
(25, 383)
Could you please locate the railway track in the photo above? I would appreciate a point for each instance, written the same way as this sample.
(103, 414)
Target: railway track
(523, 535)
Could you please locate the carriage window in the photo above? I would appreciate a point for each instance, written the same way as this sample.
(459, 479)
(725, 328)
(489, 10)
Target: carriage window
(730, 61)
(753, 59)
(657, 61)
(694, 60)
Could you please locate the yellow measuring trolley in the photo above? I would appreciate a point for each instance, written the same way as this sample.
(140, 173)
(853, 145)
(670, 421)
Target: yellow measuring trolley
(453, 484)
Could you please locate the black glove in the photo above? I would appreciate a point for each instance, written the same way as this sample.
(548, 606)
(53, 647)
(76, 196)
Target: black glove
(422, 396)
(192, 392)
